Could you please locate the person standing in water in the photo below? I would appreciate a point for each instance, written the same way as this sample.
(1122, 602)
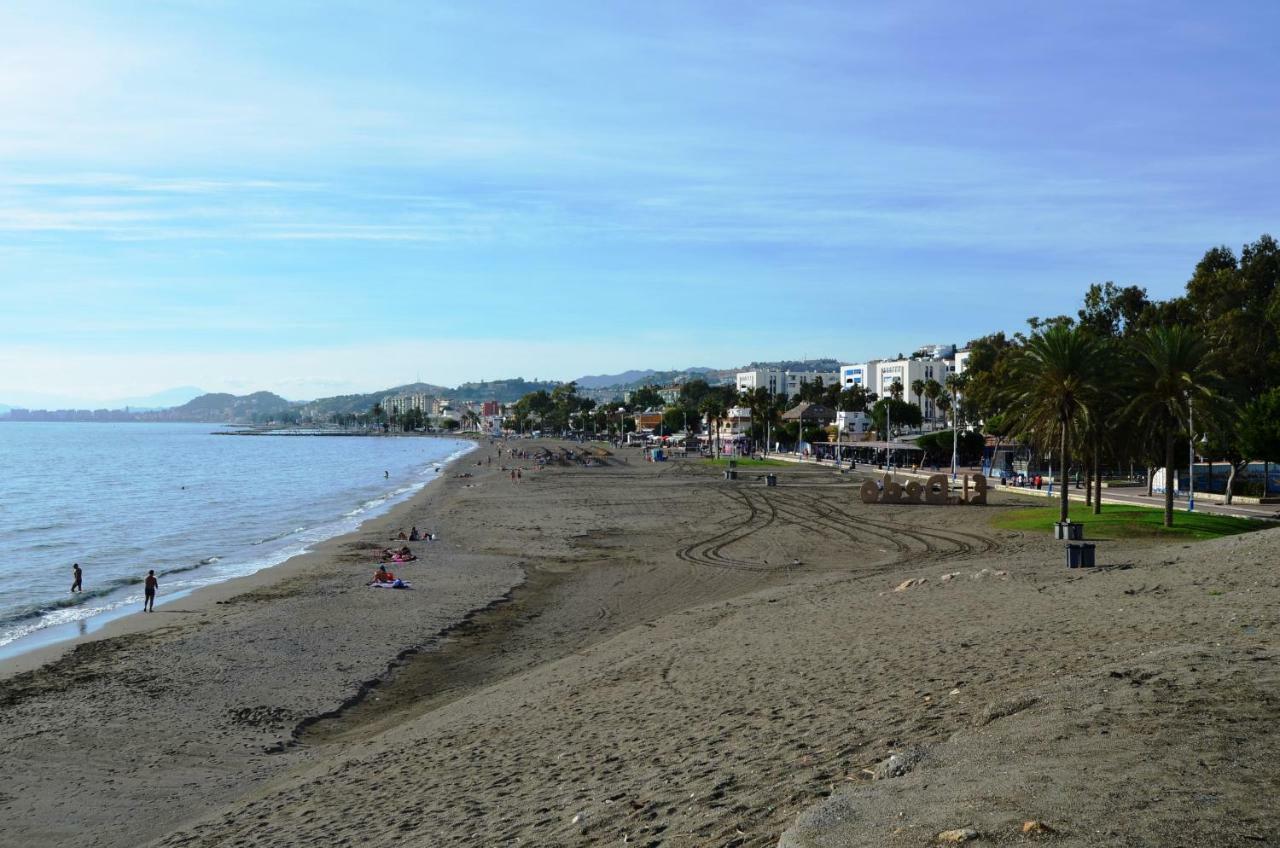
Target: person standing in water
(75, 577)
(149, 591)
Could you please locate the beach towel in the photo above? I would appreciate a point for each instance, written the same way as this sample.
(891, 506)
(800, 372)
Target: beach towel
(394, 584)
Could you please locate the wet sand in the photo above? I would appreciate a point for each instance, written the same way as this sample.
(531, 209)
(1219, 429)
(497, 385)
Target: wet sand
(647, 654)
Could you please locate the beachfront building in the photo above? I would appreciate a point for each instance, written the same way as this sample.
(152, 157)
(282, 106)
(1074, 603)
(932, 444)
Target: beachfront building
(852, 426)
(773, 379)
(780, 381)
(732, 433)
(859, 374)
(906, 372)
(960, 361)
(648, 420)
(402, 403)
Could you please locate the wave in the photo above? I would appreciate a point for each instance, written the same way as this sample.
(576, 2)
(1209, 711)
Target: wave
(43, 608)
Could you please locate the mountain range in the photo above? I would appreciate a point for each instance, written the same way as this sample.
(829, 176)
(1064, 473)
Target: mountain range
(187, 403)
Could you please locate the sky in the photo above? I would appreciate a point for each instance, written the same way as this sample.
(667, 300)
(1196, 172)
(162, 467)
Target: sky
(316, 199)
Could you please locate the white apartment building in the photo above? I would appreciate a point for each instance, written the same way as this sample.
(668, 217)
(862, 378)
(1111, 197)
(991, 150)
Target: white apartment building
(400, 404)
(852, 426)
(773, 379)
(906, 372)
(781, 382)
(960, 362)
(859, 374)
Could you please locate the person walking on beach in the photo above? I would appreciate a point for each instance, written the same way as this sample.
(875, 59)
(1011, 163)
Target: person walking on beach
(149, 587)
(75, 577)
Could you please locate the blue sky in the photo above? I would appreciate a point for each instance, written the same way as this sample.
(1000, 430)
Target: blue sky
(319, 199)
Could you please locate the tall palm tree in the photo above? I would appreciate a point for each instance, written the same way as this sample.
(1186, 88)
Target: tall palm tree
(1172, 370)
(895, 390)
(917, 389)
(932, 390)
(944, 404)
(1054, 382)
(715, 409)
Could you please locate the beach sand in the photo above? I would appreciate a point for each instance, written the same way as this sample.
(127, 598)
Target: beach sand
(647, 654)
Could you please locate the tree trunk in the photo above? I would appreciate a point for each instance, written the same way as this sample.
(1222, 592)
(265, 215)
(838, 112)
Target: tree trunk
(1150, 472)
(1088, 484)
(1168, 481)
(1097, 485)
(1231, 479)
(1064, 490)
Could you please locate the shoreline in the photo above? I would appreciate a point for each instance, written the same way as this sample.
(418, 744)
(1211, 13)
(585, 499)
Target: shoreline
(116, 624)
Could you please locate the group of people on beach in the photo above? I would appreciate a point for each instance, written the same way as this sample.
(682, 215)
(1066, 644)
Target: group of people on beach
(149, 586)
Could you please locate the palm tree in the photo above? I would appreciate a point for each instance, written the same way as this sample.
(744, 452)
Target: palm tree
(932, 390)
(1053, 383)
(917, 389)
(1172, 370)
(714, 407)
(943, 403)
(895, 390)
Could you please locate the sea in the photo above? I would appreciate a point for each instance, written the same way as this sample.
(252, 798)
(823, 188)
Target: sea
(196, 506)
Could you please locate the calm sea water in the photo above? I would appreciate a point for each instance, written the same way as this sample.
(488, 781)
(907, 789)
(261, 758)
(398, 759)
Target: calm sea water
(198, 508)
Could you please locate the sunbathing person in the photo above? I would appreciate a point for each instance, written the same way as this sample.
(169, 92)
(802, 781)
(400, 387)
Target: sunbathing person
(383, 576)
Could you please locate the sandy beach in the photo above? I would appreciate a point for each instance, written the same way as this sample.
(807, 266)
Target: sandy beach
(645, 653)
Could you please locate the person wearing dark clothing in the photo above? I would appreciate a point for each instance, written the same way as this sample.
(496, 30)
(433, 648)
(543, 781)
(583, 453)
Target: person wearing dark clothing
(75, 578)
(149, 592)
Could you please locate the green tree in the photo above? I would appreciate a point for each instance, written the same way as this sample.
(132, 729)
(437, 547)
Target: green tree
(901, 414)
(932, 390)
(645, 397)
(852, 399)
(1171, 369)
(1053, 384)
(1260, 427)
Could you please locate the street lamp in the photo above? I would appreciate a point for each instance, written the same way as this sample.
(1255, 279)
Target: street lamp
(1191, 457)
(955, 434)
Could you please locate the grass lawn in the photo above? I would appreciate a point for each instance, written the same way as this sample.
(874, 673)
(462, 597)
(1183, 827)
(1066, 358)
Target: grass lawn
(750, 463)
(1126, 521)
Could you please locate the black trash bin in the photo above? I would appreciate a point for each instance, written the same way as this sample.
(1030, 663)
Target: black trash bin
(730, 474)
(771, 480)
(1080, 555)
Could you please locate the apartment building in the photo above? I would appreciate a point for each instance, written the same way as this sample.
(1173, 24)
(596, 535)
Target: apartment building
(782, 382)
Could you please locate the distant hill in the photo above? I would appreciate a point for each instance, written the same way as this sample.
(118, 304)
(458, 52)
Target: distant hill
(797, 365)
(503, 391)
(364, 402)
(636, 378)
(219, 407)
(604, 381)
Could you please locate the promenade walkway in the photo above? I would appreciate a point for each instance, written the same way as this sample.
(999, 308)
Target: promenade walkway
(1207, 503)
